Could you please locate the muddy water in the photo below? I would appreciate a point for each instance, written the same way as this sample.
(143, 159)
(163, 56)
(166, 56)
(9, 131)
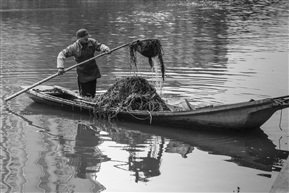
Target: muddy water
(214, 53)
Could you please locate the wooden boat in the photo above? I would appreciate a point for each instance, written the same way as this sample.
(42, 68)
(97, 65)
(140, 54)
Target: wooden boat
(239, 116)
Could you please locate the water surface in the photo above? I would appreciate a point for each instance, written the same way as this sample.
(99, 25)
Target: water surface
(214, 52)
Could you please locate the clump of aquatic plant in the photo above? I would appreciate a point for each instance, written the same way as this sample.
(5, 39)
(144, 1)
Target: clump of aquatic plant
(128, 94)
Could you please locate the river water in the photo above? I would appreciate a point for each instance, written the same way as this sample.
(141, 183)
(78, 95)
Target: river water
(215, 52)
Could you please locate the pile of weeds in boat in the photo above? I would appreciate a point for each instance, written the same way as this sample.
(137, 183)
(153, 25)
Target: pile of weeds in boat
(127, 94)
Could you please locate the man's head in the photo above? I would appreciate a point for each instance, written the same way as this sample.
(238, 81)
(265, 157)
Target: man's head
(83, 35)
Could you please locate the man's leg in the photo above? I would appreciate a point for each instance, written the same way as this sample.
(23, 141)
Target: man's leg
(87, 89)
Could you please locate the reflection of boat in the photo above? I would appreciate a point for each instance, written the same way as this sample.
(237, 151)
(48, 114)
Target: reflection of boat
(253, 151)
(239, 116)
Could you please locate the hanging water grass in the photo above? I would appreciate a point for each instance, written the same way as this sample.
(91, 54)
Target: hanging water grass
(149, 48)
(128, 94)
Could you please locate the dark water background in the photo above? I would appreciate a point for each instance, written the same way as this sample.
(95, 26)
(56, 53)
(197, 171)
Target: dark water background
(214, 51)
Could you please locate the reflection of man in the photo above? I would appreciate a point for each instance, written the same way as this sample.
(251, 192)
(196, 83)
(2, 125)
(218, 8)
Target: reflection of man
(86, 154)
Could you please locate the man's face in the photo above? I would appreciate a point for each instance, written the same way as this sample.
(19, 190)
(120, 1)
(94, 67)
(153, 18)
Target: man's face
(84, 39)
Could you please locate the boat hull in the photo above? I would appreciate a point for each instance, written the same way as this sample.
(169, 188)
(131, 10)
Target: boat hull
(223, 119)
(239, 116)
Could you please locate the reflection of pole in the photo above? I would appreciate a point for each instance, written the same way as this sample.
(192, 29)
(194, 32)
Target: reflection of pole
(280, 141)
(27, 121)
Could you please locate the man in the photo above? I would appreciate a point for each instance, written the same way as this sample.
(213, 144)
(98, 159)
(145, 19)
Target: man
(83, 49)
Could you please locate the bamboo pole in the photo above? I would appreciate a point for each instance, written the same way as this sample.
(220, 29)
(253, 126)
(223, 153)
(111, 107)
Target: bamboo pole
(67, 69)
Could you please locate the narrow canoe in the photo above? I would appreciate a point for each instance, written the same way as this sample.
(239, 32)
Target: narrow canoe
(238, 116)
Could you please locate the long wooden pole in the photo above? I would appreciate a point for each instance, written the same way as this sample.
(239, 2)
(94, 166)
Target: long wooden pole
(67, 69)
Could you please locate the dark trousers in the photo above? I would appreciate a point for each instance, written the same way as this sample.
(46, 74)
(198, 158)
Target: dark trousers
(87, 89)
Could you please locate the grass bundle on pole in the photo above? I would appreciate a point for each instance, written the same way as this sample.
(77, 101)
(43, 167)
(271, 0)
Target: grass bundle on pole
(149, 48)
(127, 94)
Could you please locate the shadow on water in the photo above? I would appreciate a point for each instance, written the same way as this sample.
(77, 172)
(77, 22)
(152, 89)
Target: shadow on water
(86, 157)
(253, 149)
(250, 149)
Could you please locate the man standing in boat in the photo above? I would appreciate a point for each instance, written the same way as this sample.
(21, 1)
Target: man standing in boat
(83, 49)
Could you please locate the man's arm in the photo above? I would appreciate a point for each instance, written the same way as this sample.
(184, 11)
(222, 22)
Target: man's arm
(101, 47)
(67, 52)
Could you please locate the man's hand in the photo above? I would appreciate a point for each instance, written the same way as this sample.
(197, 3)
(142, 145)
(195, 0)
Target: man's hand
(107, 51)
(60, 71)
(105, 48)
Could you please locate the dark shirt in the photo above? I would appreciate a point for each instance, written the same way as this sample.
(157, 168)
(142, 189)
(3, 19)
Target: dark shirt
(88, 71)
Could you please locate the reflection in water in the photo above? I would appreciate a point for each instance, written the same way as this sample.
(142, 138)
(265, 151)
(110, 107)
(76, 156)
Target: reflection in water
(73, 155)
(86, 154)
(253, 150)
(180, 148)
(143, 167)
(86, 158)
(147, 166)
(13, 154)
